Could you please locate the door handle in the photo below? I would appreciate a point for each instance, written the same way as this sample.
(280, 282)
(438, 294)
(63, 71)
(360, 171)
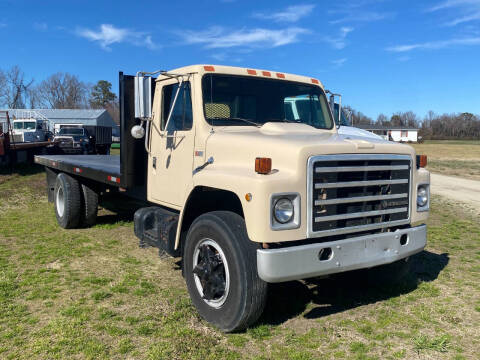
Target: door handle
(154, 162)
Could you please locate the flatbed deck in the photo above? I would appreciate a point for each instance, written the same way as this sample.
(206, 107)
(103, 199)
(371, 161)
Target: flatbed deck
(102, 168)
(28, 145)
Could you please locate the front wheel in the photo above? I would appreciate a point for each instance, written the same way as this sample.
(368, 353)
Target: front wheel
(220, 267)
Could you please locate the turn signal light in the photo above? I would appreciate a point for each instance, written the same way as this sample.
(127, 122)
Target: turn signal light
(263, 165)
(421, 161)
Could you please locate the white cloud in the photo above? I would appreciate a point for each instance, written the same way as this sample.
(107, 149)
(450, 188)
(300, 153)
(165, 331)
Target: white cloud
(435, 45)
(290, 14)
(339, 62)
(360, 16)
(339, 41)
(357, 11)
(467, 10)
(453, 3)
(219, 37)
(40, 26)
(109, 35)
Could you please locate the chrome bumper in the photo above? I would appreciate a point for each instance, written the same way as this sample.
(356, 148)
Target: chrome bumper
(300, 262)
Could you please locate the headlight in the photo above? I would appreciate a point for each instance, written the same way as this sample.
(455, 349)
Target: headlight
(422, 196)
(283, 210)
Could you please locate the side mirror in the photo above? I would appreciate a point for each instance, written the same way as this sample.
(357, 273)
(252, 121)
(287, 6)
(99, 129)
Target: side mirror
(143, 97)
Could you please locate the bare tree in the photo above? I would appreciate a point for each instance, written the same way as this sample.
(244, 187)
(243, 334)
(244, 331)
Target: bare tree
(114, 111)
(358, 118)
(3, 88)
(382, 119)
(14, 89)
(62, 91)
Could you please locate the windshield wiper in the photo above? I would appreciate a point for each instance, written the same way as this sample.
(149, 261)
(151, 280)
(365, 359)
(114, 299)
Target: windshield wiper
(237, 119)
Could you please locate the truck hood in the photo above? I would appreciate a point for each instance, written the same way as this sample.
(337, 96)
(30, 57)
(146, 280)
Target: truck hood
(350, 130)
(289, 145)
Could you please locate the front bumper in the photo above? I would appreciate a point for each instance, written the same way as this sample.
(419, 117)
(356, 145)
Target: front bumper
(300, 262)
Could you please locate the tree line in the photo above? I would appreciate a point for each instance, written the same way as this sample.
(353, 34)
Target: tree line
(431, 127)
(67, 91)
(58, 91)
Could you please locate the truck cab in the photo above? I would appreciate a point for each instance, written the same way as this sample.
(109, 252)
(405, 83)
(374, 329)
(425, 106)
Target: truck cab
(30, 130)
(245, 176)
(72, 140)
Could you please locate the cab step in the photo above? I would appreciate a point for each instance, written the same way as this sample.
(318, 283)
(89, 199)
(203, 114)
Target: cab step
(157, 227)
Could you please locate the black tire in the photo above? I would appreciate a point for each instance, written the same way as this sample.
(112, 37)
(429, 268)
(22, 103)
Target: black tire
(245, 299)
(67, 201)
(89, 206)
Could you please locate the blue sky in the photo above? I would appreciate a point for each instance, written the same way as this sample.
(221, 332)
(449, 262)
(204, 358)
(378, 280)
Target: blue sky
(382, 55)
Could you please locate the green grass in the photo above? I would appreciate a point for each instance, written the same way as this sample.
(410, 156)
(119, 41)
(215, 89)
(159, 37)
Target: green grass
(93, 294)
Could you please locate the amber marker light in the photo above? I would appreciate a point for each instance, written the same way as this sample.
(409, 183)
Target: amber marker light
(263, 165)
(209, 68)
(248, 196)
(421, 161)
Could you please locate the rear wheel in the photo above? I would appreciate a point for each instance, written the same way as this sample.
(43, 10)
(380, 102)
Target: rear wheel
(90, 206)
(220, 267)
(67, 201)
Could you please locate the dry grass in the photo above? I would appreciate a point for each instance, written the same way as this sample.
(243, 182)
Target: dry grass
(456, 158)
(92, 293)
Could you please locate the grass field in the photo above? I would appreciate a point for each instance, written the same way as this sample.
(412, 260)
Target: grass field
(456, 157)
(92, 293)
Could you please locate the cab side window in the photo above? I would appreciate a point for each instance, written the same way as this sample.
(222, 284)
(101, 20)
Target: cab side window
(182, 114)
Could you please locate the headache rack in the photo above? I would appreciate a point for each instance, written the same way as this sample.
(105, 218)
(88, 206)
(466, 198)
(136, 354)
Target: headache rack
(352, 193)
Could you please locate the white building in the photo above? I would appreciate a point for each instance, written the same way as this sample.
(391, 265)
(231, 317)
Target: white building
(58, 118)
(394, 133)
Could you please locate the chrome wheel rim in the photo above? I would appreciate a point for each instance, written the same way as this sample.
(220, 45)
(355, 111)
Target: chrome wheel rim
(210, 272)
(60, 202)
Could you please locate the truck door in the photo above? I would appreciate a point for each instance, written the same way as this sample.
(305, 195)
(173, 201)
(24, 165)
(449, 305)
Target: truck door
(171, 153)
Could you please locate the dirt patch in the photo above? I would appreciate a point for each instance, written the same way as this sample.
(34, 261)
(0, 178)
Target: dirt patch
(458, 189)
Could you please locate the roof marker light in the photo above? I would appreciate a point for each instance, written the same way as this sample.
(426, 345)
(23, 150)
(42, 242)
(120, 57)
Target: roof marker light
(266, 73)
(209, 68)
(315, 81)
(281, 76)
(251, 72)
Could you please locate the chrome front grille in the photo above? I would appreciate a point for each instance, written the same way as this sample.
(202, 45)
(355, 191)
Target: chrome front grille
(18, 138)
(355, 193)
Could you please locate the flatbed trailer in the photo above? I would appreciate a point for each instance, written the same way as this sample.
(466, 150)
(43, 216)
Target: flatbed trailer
(101, 168)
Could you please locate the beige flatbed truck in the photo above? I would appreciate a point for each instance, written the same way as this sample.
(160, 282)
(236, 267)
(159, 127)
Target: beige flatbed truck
(245, 196)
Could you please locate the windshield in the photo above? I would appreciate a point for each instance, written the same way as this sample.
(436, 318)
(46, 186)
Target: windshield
(27, 125)
(70, 131)
(242, 100)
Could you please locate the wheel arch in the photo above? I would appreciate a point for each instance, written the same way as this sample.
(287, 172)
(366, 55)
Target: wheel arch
(203, 199)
